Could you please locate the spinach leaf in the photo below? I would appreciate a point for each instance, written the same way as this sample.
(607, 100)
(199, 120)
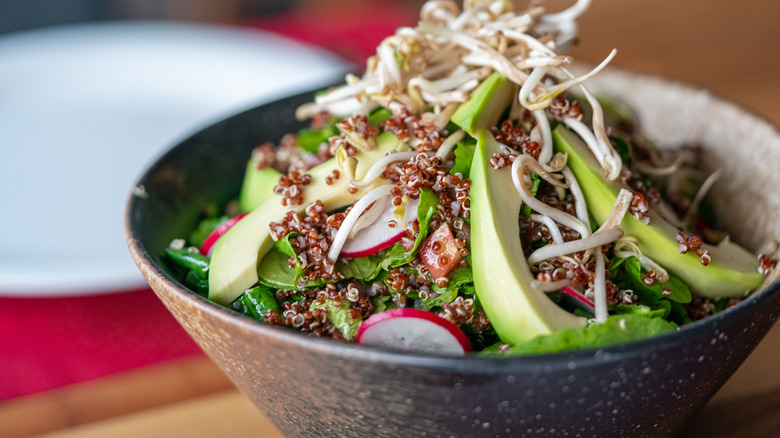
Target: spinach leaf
(310, 139)
(622, 309)
(256, 302)
(274, 270)
(464, 154)
(679, 291)
(361, 268)
(205, 227)
(627, 274)
(622, 147)
(536, 180)
(615, 330)
(378, 115)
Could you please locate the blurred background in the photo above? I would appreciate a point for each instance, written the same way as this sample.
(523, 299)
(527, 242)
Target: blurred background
(64, 351)
(670, 37)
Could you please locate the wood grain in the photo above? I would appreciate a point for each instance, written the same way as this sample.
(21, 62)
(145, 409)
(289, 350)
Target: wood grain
(120, 394)
(730, 48)
(225, 414)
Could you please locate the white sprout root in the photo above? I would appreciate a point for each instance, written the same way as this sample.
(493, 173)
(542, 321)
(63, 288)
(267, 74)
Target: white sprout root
(527, 162)
(352, 217)
(600, 288)
(556, 250)
(437, 63)
(376, 169)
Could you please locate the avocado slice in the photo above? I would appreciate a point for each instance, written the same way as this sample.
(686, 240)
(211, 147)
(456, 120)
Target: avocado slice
(233, 266)
(733, 270)
(258, 185)
(486, 105)
(502, 277)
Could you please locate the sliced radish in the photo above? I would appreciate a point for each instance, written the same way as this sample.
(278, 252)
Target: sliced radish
(413, 330)
(578, 295)
(379, 234)
(440, 253)
(208, 244)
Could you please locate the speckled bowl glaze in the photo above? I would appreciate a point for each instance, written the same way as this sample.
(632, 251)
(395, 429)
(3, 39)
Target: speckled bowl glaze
(317, 387)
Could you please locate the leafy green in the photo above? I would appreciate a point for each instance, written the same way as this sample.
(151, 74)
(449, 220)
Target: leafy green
(622, 147)
(459, 281)
(199, 285)
(205, 227)
(679, 290)
(464, 155)
(378, 115)
(274, 270)
(311, 139)
(536, 180)
(397, 255)
(362, 268)
(191, 261)
(622, 309)
(446, 295)
(626, 273)
(256, 302)
(616, 329)
(340, 317)
(382, 303)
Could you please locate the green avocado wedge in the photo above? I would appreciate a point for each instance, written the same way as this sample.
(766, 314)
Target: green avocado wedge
(486, 105)
(733, 270)
(502, 277)
(258, 185)
(233, 266)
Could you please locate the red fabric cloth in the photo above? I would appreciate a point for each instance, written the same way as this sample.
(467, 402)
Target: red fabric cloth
(50, 342)
(353, 32)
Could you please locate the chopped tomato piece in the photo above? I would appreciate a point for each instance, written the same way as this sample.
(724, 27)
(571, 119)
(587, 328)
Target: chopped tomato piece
(440, 252)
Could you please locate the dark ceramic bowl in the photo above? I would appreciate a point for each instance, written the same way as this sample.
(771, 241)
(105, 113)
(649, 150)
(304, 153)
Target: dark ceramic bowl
(317, 387)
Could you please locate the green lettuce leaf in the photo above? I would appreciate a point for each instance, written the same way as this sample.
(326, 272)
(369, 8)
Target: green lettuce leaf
(378, 115)
(339, 317)
(464, 155)
(205, 227)
(362, 268)
(310, 139)
(274, 270)
(615, 330)
(627, 274)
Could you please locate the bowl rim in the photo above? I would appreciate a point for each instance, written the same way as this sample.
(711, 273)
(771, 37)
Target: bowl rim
(475, 363)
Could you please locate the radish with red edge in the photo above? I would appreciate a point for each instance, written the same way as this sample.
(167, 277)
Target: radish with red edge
(379, 235)
(208, 244)
(578, 295)
(413, 330)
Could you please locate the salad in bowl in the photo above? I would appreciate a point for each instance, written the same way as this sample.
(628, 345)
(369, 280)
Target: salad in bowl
(470, 194)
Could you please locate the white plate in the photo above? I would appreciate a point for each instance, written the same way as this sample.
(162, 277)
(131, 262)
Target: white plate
(84, 109)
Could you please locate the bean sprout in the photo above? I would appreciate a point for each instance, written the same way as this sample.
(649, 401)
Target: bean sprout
(354, 214)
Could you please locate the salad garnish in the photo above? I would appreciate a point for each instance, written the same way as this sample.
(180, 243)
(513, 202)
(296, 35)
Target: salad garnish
(470, 175)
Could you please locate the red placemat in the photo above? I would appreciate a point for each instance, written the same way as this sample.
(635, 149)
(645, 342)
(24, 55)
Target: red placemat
(352, 31)
(49, 342)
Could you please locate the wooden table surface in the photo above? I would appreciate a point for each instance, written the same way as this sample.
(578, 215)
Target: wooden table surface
(729, 47)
